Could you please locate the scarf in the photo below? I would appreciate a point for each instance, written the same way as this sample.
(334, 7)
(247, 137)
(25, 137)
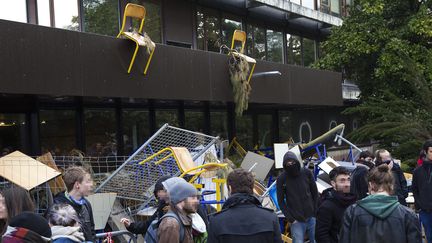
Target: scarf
(70, 232)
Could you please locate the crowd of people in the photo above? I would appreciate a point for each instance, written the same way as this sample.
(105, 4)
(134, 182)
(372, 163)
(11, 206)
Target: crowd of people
(367, 204)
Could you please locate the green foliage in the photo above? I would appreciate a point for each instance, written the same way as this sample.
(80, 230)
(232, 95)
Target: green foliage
(384, 46)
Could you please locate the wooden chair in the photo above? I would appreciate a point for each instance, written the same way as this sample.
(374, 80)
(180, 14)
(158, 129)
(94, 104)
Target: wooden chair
(136, 11)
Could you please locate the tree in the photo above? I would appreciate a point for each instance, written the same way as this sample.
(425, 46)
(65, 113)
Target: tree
(384, 46)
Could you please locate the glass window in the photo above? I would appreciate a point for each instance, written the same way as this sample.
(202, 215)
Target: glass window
(265, 131)
(100, 132)
(274, 46)
(335, 7)
(308, 4)
(208, 31)
(296, 1)
(324, 6)
(219, 124)
(13, 135)
(256, 42)
(152, 23)
(136, 129)
(244, 134)
(194, 121)
(294, 49)
(13, 10)
(66, 14)
(308, 52)
(57, 131)
(43, 12)
(166, 116)
(285, 126)
(101, 16)
(228, 27)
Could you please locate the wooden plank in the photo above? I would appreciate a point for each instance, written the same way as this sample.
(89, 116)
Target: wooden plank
(57, 185)
(25, 171)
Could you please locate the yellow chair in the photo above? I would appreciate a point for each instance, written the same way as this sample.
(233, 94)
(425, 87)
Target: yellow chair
(241, 36)
(137, 12)
(187, 166)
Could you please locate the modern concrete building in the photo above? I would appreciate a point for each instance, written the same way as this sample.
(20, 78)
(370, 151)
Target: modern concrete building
(64, 81)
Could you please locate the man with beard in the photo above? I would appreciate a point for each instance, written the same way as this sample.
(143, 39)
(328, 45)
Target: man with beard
(242, 218)
(183, 202)
(334, 202)
(297, 196)
(422, 188)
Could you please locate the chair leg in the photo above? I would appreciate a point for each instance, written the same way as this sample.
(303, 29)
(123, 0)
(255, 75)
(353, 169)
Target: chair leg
(251, 72)
(148, 61)
(133, 57)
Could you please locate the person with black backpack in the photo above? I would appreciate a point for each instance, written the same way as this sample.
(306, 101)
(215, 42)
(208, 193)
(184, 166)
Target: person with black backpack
(176, 225)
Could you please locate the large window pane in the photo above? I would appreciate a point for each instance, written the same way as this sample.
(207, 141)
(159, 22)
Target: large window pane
(194, 120)
(66, 14)
(15, 10)
(294, 49)
(101, 17)
(57, 131)
(265, 131)
(285, 126)
(308, 52)
(244, 134)
(256, 42)
(218, 124)
(43, 12)
(308, 4)
(228, 27)
(166, 116)
(12, 133)
(296, 1)
(152, 23)
(208, 31)
(136, 129)
(100, 132)
(274, 46)
(335, 7)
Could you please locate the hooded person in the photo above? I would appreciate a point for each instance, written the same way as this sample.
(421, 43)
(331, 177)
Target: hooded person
(297, 196)
(380, 217)
(27, 227)
(161, 195)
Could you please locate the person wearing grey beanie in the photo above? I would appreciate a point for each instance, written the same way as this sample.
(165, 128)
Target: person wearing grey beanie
(183, 202)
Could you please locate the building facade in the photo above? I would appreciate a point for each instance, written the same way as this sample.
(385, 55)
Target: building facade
(64, 83)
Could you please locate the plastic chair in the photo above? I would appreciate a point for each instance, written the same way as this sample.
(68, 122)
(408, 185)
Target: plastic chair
(240, 35)
(137, 12)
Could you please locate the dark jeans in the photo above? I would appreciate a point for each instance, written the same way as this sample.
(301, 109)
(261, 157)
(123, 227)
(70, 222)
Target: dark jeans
(426, 221)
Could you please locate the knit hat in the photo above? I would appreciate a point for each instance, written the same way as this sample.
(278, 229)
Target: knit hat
(178, 189)
(33, 222)
(158, 185)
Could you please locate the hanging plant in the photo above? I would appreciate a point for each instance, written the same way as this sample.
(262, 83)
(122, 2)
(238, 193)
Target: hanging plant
(239, 70)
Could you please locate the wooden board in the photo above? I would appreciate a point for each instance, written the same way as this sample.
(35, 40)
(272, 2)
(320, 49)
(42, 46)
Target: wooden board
(102, 204)
(57, 185)
(25, 171)
(328, 165)
(258, 164)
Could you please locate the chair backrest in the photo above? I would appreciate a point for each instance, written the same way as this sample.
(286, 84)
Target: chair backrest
(134, 11)
(184, 158)
(239, 36)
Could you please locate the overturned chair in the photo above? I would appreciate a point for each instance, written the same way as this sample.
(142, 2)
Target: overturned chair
(139, 37)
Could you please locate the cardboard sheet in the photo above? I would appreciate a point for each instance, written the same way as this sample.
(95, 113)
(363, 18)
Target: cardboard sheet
(102, 204)
(25, 171)
(260, 165)
(328, 165)
(57, 185)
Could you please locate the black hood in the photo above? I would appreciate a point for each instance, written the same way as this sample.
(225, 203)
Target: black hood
(294, 169)
(344, 199)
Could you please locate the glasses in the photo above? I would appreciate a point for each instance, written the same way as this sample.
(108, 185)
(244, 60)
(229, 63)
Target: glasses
(388, 161)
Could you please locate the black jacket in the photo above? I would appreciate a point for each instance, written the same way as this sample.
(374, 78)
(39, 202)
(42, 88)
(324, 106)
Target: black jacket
(359, 184)
(84, 212)
(330, 214)
(380, 219)
(297, 196)
(422, 186)
(400, 184)
(243, 219)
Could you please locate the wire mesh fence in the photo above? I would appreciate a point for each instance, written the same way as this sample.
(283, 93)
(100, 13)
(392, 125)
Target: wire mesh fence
(135, 182)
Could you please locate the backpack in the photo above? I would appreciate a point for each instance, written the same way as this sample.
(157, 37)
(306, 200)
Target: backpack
(151, 235)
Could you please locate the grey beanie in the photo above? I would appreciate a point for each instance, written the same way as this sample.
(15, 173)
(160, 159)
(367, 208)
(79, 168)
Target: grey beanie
(178, 189)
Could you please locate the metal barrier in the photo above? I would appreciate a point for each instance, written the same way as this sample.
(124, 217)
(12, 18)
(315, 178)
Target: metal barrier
(117, 233)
